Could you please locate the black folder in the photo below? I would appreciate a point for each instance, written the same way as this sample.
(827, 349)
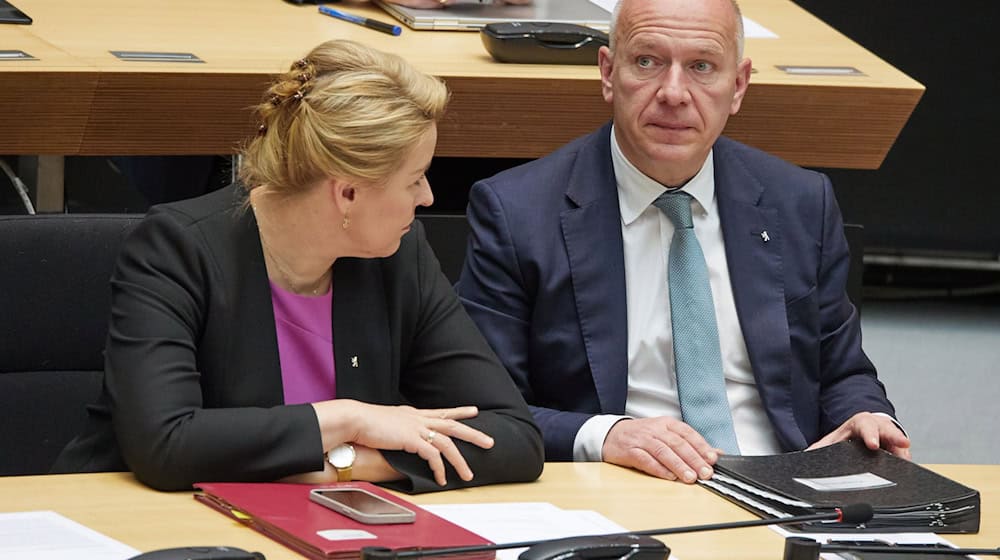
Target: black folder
(904, 495)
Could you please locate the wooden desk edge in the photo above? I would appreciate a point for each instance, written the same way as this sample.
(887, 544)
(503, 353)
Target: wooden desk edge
(119, 506)
(120, 114)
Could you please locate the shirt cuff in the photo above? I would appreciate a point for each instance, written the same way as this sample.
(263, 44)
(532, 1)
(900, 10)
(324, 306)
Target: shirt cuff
(894, 421)
(589, 442)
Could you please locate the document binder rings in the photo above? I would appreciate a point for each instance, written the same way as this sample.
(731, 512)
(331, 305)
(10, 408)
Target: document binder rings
(284, 513)
(905, 497)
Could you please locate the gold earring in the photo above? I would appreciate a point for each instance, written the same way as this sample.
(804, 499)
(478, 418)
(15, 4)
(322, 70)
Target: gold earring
(347, 221)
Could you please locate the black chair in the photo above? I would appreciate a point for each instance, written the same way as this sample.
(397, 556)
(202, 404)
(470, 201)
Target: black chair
(55, 296)
(855, 234)
(447, 235)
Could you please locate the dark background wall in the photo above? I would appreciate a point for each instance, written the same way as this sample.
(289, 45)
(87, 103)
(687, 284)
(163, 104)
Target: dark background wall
(938, 189)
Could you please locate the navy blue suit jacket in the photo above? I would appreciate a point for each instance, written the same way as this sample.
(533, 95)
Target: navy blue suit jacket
(544, 279)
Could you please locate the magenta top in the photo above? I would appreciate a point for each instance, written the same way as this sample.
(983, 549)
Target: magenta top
(304, 325)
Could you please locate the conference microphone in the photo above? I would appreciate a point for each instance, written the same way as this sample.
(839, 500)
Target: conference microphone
(801, 548)
(632, 545)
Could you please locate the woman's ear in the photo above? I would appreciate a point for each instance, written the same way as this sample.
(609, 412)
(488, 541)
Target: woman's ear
(344, 193)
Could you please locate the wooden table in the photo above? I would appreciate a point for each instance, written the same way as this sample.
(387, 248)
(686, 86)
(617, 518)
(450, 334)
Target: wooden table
(79, 99)
(118, 506)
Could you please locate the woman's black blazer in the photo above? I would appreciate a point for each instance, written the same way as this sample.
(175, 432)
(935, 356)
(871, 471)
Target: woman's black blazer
(192, 388)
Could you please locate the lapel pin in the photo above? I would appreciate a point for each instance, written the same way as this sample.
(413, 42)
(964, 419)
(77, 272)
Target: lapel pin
(354, 361)
(765, 236)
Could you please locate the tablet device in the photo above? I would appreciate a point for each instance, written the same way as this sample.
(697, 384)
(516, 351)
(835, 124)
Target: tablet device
(471, 16)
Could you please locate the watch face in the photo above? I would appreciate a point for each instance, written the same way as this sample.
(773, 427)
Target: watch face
(341, 456)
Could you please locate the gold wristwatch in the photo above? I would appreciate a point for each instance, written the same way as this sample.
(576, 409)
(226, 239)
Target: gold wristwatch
(342, 458)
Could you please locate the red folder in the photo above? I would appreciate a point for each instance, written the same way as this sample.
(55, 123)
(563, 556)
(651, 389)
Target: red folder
(284, 513)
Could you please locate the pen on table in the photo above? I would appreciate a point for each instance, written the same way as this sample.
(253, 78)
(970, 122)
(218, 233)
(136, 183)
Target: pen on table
(367, 22)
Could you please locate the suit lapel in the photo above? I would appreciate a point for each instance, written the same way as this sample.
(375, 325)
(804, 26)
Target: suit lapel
(252, 302)
(754, 238)
(361, 332)
(592, 232)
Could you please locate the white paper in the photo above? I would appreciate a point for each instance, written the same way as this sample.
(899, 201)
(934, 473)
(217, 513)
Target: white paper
(755, 490)
(754, 30)
(860, 481)
(524, 521)
(345, 534)
(608, 5)
(743, 497)
(46, 535)
(751, 29)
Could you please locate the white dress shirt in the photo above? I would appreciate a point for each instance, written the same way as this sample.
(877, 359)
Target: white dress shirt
(652, 380)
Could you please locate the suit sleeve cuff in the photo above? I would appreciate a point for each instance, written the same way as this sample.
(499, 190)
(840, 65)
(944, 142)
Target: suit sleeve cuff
(589, 442)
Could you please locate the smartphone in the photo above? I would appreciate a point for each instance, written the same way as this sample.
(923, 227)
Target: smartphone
(361, 505)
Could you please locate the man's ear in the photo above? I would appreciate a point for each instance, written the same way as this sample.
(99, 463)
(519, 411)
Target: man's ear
(742, 83)
(605, 61)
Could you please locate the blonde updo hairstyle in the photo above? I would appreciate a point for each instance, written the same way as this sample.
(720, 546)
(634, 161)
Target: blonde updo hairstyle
(345, 111)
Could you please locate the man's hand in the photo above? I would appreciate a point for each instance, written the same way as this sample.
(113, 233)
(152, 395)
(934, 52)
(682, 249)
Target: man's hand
(663, 447)
(874, 429)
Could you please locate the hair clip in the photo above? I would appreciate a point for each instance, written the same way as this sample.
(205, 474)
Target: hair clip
(301, 63)
(298, 95)
(275, 99)
(262, 130)
(303, 77)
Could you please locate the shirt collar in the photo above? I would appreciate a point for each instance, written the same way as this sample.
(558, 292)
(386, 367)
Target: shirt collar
(636, 191)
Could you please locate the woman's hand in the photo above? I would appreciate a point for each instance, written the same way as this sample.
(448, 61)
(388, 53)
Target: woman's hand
(424, 432)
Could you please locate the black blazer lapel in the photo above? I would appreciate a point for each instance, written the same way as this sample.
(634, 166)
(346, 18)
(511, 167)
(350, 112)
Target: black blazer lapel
(361, 333)
(593, 236)
(753, 237)
(257, 349)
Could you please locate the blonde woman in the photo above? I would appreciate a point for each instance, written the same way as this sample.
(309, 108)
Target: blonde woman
(297, 326)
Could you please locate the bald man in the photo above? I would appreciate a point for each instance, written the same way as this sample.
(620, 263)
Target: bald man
(567, 271)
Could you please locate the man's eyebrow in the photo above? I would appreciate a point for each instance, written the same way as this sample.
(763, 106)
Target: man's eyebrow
(710, 47)
(642, 45)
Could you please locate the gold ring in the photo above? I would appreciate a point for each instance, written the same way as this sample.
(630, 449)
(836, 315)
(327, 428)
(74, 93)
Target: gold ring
(431, 434)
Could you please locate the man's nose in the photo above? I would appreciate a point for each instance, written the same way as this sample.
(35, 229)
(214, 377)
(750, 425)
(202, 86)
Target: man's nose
(674, 86)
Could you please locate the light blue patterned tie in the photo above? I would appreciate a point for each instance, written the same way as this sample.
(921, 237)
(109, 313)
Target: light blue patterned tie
(697, 358)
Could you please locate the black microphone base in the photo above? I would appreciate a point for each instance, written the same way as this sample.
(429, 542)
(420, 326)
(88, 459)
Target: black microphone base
(378, 553)
(800, 548)
(600, 547)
